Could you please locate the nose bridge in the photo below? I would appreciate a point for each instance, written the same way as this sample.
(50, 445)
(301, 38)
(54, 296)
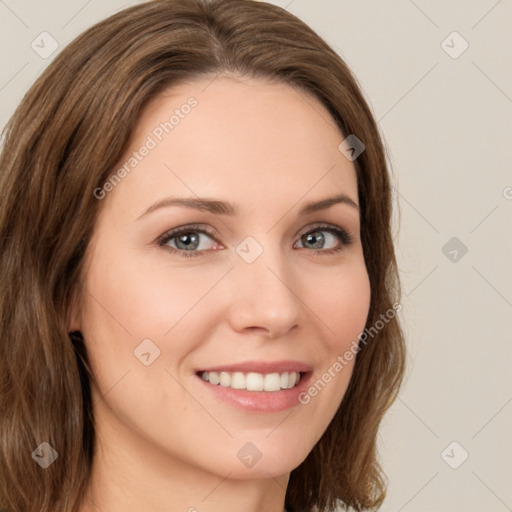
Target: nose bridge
(264, 295)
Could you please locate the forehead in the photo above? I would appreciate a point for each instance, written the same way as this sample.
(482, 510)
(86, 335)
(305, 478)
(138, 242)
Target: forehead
(223, 137)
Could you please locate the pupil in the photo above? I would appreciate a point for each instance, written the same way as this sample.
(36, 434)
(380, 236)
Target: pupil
(191, 241)
(312, 238)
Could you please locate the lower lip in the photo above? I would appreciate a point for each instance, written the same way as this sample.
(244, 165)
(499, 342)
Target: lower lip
(260, 401)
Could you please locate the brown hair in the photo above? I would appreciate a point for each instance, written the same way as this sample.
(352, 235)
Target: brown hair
(63, 142)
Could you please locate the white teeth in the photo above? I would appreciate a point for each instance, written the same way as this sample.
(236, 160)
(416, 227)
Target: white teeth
(213, 377)
(253, 381)
(272, 382)
(225, 379)
(238, 380)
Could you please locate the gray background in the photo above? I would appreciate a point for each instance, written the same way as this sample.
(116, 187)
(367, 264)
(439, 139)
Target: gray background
(447, 120)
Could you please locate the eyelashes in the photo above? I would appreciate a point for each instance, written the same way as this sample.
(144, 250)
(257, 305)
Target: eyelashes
(189, 237)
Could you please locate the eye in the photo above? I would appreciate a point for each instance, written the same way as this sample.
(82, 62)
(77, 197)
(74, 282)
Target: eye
(315, 239)
(187, 241)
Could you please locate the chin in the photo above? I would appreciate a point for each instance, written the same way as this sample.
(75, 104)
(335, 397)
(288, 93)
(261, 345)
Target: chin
(260, 464)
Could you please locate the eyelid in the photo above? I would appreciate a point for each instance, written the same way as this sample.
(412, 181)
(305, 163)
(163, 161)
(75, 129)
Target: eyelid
(326, 226)
(171, 233)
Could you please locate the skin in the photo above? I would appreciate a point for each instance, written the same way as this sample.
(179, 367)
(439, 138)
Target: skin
(164, 443)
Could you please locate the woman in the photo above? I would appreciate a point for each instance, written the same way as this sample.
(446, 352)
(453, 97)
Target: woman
(199, 283)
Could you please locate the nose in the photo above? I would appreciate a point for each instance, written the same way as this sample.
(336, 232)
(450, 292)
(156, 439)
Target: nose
(263, 297)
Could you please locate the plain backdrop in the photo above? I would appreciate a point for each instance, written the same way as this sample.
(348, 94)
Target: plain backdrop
(438, 78)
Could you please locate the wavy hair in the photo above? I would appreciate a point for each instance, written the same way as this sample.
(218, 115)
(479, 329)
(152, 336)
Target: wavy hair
(63, 142)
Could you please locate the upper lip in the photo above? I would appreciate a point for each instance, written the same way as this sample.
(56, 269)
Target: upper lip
(261, 367)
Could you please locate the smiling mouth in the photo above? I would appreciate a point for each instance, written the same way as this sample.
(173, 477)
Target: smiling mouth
(253, 381)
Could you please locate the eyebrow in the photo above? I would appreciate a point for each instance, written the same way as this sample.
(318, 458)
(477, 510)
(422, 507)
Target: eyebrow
(225, 208)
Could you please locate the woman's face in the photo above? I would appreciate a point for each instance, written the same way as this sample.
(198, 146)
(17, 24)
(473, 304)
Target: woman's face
(260, 291)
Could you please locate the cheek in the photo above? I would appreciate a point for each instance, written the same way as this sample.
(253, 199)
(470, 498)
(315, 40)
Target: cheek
(344, 307)
(143, 300)
(342, 311)
(129, 301)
